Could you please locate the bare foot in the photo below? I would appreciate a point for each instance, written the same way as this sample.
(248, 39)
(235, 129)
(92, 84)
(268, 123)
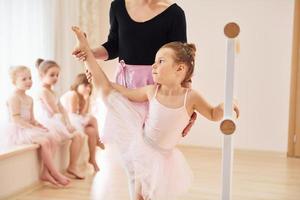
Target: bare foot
(95, 165)
(81, 39)
(100, 144)
(63, 180)
(48, 178)
(75, 173)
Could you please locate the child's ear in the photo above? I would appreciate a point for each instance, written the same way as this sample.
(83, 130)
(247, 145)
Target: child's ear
(180, 67)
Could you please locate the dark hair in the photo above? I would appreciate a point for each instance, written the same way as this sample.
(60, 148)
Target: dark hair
(44, 65)
(184, 53)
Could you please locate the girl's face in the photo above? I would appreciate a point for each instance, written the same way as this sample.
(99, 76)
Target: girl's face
(84, 89)
(51, 76)
(164, 67)
(23, 80)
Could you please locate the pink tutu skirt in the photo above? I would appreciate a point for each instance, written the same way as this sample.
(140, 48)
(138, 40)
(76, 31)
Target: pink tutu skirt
(161, 174)
(15, 135)
(78, 121)
(55, 126)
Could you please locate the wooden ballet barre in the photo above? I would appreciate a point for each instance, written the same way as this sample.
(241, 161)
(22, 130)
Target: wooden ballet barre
(228, 126)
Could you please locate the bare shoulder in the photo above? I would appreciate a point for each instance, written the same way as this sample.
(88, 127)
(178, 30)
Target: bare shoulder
(45, 92)
(194, 96)
(151, 90)
(13, 98)
(30, 99)
(194, 93)
(73, 95)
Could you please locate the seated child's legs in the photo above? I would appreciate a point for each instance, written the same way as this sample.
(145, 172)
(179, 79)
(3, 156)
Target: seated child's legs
(92, 123)
(75, 149)
(50, 173)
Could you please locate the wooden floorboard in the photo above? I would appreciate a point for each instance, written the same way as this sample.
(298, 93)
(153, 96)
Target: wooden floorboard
(256, 176)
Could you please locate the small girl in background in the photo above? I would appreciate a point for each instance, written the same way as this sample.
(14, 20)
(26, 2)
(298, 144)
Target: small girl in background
(22, 127)
(156, 168)
(53, 115)
(77, 103)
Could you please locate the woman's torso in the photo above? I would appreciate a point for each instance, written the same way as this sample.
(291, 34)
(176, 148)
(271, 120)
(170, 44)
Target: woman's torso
(138, 42)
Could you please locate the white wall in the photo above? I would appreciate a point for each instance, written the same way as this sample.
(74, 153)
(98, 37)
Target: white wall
(263, 68)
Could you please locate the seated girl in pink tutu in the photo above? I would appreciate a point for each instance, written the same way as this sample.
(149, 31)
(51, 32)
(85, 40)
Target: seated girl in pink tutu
(53, 116)
(156, 167)
(22, 128)
(76, 101)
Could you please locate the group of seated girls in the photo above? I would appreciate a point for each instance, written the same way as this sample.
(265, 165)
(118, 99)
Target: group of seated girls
(56, 120)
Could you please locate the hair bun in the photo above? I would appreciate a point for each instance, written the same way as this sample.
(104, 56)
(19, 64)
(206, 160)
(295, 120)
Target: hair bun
(38, 62)
(190, 49)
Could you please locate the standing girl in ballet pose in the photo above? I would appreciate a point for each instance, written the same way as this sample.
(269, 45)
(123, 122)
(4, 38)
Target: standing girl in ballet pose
(52, 114)
(22, 127)
(76, 101)
(149, 152)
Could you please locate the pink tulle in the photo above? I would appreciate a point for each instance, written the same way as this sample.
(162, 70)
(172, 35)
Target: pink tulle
(162, 174)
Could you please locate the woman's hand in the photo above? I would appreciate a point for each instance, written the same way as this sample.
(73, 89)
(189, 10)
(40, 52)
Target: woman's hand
(79, 54)
(88, 75)
(190, 124)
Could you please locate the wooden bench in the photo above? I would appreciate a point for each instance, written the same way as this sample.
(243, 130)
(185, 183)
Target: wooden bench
(20, 166)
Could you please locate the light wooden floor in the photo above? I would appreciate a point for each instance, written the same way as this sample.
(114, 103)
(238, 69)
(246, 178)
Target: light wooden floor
(256, 176)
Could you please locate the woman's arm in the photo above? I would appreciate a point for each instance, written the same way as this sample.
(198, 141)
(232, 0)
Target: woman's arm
(111, 47)
(100, 53)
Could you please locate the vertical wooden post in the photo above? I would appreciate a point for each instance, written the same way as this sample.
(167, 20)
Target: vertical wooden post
(227, 126)
(294, 115)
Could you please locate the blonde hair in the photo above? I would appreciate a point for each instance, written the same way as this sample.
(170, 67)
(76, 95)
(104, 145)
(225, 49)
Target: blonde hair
(15, 70)
(44, 65)
(184, 53)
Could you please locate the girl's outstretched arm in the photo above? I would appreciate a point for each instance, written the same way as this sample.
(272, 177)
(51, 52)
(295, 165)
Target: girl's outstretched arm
(138, 95)
(213, 113)
(100, 80)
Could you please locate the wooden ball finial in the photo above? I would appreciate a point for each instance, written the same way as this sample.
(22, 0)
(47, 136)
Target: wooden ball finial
(227, 127)
(231, 30)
